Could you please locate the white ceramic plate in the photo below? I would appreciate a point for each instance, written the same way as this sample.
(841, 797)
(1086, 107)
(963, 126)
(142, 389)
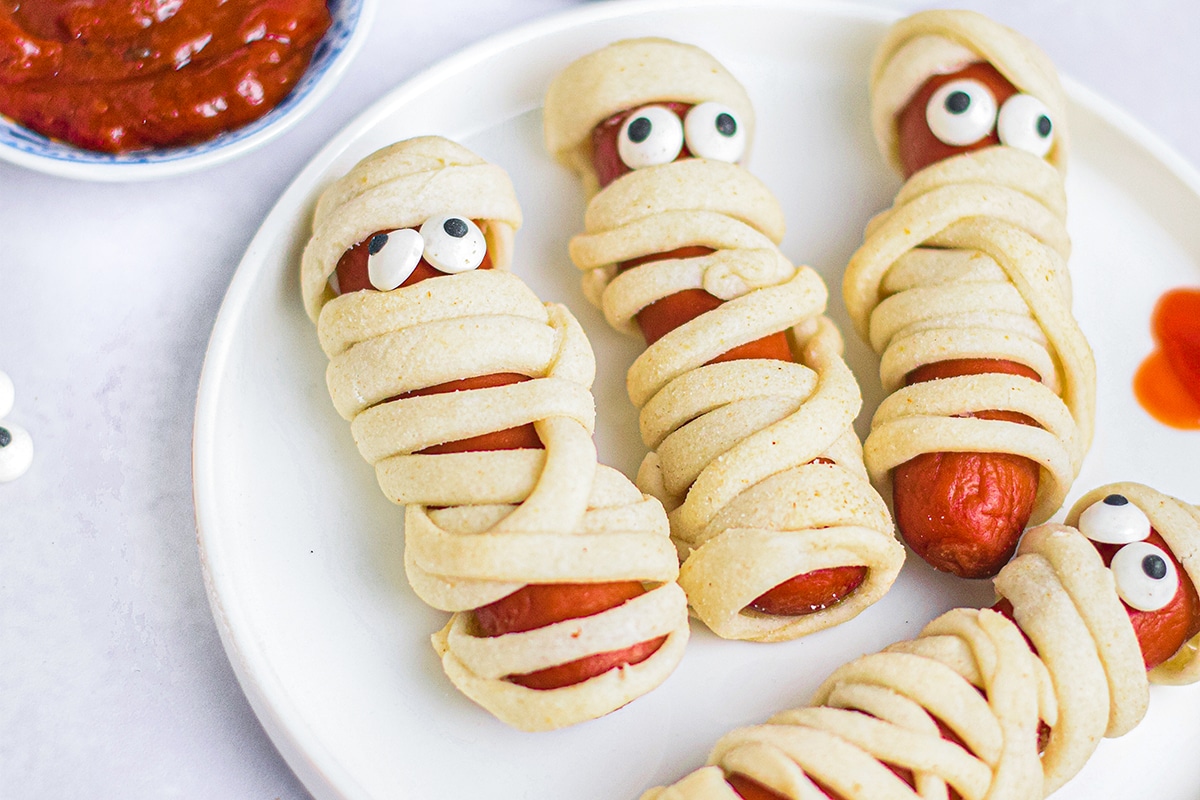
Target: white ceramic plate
(302, 553)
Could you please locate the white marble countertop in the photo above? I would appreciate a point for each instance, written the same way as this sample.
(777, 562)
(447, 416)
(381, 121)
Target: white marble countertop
(113, 682)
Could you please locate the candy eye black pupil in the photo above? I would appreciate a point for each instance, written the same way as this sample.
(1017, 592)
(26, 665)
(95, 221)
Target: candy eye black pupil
(5, 437)
(1154, 567)
(455, 227)
(1043, 126)
(1116, 500)
(958, 102)
(376, 244)
(639, 130)
(726, 124)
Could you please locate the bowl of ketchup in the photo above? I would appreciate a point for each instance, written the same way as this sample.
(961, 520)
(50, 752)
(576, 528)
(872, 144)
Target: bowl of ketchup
(119, 91)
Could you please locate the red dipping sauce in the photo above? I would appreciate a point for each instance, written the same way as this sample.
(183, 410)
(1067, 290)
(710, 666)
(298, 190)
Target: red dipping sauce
(1168, 382)
(122, 75)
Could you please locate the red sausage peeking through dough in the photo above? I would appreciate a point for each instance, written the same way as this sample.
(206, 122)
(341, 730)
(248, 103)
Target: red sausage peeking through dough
(533, 606)
(1160, 633)
(919, 145)
(801, 594)
(962, 512)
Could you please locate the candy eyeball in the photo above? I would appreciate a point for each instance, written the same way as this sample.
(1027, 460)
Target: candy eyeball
(1024, 123)
(7, 394)
(16, 451)
(392, 257)
(453, 244)
(712, 130)
(1146, 576)
(1114, 520)
(961, 112)
(651, 135)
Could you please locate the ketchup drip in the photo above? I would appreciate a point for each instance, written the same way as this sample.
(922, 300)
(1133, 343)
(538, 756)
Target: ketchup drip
(1167, 384)
(532, 606)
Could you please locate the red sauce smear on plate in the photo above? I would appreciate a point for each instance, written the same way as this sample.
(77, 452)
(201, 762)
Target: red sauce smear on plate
(122, 75)
(1167, 384)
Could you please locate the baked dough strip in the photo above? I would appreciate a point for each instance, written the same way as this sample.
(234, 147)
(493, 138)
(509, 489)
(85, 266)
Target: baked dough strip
(974, 672)
(481, 525)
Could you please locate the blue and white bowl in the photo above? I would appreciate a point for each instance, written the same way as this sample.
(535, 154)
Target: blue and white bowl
(351, 21)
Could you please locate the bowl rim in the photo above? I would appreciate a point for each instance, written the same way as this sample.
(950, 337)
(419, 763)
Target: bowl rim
(169, 162)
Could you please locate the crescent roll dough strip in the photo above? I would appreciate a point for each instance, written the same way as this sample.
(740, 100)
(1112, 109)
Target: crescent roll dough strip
(970, 263)
(974, 672)
(731, 441)
(481, 525)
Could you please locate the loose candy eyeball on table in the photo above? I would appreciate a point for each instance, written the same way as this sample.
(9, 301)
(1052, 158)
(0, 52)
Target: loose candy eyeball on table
(16, 451)
(16, 448)
(7, 394)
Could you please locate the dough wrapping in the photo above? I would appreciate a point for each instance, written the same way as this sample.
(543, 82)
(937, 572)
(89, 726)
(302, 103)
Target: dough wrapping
(972, 672)
(755, 460)
(971, 262)
(941, 41)
(480, 525)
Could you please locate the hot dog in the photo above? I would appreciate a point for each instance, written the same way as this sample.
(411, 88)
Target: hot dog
(1006, 704)
(471, 399)
(745, 401)
(962, 288)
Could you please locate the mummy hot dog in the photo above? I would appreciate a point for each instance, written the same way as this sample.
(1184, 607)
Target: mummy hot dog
(962, 287)
(1003, 704)
(471, 399)
(745, 401)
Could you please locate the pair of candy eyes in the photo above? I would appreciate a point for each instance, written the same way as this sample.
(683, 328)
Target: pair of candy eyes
(449, 244)
(1146, 577)
(655, 134)
(962, 112)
